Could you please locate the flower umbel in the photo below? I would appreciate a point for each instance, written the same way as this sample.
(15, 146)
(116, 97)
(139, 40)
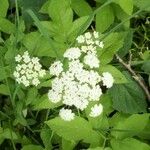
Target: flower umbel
(96, 110)
(80, 83)
(28, 70)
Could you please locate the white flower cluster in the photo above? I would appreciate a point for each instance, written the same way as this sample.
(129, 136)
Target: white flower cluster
(79, 83)
(28, 70)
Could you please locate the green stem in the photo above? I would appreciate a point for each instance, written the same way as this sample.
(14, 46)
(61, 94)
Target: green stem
(17, 11)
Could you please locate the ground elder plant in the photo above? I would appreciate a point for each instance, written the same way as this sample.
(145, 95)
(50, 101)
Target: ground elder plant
(74, 75)
(80, 83)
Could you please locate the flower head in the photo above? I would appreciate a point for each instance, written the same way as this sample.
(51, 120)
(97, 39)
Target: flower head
(66, 114)
(27, 71)
(56, 68)
(107, 79)
(72, 53)
(96, 110)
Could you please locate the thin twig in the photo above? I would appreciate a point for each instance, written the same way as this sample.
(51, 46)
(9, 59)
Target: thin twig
(135, 76)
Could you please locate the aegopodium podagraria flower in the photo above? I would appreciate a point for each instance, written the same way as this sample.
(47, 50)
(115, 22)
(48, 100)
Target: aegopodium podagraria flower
(107, 79)
(28, 70)
(96, 110)
(66, 114)
(80, 83)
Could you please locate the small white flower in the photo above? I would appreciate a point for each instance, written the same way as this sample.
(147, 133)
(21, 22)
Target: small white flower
(96, 110)
(101, 45)
(80, 39)
(18, 58)
(35, 60)
(66, 114)
(72, 53)
(96, 34)
(35, 81)
(16, 74)
(84, 49)
(107, 79)
(54, 96)
(88, 35)
(91, 60)
(42, 73)
(95, 93)
(56, 68)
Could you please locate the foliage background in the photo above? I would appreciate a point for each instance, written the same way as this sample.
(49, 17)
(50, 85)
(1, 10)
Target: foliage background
(46, 28)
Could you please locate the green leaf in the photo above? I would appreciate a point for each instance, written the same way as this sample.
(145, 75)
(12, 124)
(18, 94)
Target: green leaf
(31, 95)
(4, 72)
(81, 7)
(6, 26)
(3, 7)
(64, 17)
(127, 44)
(44, 8)
(69, 130)
(104, 18)
(146, 67)
(129, 97)
(130, 126)
(7, 134)
(126, 5)
(76, 26)
(38, 45)
(121, 15)
(117, 75)
(46, 135)
(129, 143)
(112, 43)
(32, 147)
(68, 145)
(44, 103)
(144, 5)
(4, 89)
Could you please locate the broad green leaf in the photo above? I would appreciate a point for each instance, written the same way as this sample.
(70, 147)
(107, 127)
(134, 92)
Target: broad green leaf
(44, 8)
(127, 44)
(3, 7)
(106, 101)
(32, 147)
(130, 126)
(81, 7)
(38, 45)
(126, 5)
(142, 4)
(112, 43)
(44, 103)
(104, 18)
(145, 55)
(146, 66)
(68, 145)
(145, 134)
(121, 15)
(129, 144)
(76, 26)
(117, 75)
(77, 129)
(46, 135)
(128, 97)
(100, 122)
(64, 17)
(4, 72)
(7, 134)
(4, 89)
(31, 95)
(34, 5)
(6, 26)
